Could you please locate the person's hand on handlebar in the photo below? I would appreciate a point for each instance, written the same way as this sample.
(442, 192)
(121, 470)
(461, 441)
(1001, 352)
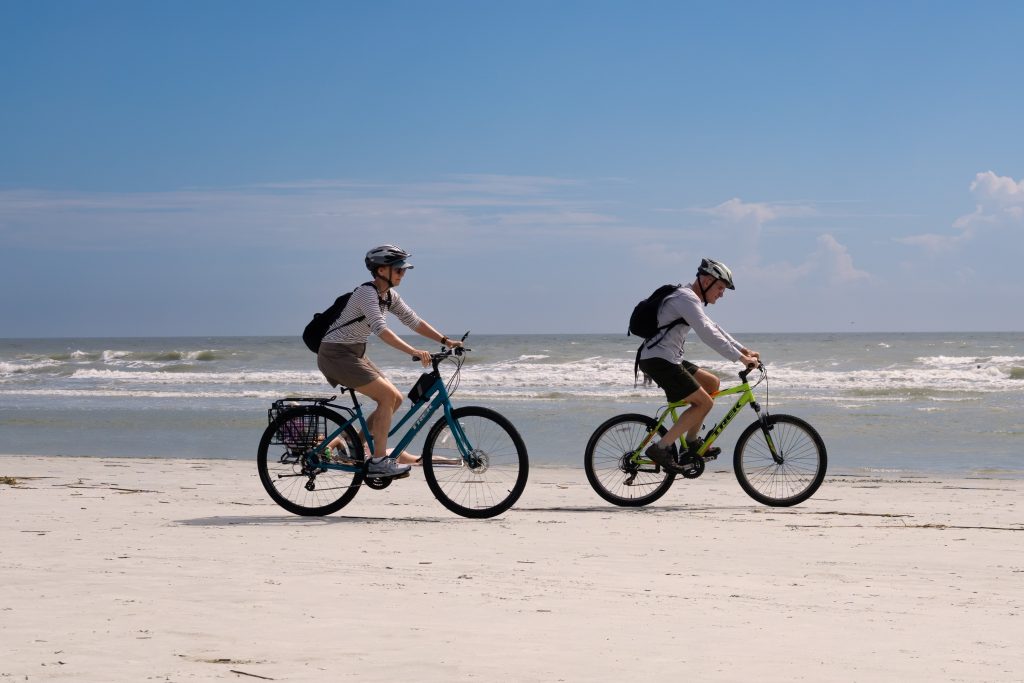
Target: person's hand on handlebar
(422, 357)
(753, 354)
(750, 361)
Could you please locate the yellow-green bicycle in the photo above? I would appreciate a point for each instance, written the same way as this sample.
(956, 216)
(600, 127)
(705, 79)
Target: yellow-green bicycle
(779, 460)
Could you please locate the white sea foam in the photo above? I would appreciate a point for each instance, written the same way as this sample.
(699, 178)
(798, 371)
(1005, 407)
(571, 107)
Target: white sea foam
(19, 367)
(534, 376)
(243, 377)
(137, 393)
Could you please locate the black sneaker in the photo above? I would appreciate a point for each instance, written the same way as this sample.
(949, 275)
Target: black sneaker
(695, 445)
(661, 456)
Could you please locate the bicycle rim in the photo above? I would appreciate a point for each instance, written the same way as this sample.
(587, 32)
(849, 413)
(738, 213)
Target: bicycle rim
(493, 477)
(610, 469)
(294, 476)
(790, 482)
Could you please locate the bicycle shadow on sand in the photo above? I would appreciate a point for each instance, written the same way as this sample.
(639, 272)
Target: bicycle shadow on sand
(293, 520)
(296, 520)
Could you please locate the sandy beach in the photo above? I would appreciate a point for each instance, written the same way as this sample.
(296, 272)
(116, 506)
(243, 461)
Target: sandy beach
(184, 570)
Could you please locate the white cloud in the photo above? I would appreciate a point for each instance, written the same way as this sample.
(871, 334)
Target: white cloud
(835, 259)
(988, 186)
(999, 203)
(736, 210)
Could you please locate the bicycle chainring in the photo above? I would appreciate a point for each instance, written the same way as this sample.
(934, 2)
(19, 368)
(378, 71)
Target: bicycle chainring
(693, 468)
(377, 483)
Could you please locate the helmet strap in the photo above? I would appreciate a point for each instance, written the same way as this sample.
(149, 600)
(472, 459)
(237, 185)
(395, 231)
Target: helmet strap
(378, 276)
(703, 289)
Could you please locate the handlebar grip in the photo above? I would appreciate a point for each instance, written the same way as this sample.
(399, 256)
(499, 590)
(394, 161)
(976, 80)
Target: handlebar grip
(750, 368)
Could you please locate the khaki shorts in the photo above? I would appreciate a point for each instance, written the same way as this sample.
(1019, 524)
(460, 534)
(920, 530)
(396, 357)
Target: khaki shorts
(677, 380)
(346, 365)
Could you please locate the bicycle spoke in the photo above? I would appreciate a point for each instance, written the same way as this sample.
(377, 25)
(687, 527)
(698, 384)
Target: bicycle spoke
(799, 474)
(292, 456)
(613, 471)
(493, 475)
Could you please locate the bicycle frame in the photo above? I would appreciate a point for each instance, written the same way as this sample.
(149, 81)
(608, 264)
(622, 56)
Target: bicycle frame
(746, 397)
(440, 399)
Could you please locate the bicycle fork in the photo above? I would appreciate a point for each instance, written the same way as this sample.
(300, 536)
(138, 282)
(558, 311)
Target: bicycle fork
(766, 429)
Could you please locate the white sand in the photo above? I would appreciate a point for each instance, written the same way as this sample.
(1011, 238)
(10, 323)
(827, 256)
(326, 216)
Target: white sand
(136, 570)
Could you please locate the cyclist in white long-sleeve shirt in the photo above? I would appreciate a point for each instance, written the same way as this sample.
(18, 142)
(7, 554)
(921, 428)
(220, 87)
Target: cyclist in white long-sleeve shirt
(342, 356)
(661, 359)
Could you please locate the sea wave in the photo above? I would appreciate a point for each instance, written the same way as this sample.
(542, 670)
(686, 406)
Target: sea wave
(138, 393)
(180, 376)
(531, 375)
(172, 356)
(20, 367)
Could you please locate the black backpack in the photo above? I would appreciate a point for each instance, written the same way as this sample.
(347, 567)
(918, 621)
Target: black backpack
(643, 322)
(323, 323)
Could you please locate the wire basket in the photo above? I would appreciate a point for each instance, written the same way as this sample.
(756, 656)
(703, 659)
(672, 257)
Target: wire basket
(298, 434)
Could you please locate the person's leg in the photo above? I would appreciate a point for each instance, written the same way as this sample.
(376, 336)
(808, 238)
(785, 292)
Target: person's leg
(388, 399)
(710, 384)
(679, 385)
(691, 419)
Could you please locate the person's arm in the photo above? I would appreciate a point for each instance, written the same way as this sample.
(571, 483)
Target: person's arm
(739, 345)
(425, 329)
(394, 341)
(369, 305)
(417, 324)
(706, 329)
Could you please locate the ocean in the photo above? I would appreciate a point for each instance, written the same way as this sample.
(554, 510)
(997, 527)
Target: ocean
(885, 403)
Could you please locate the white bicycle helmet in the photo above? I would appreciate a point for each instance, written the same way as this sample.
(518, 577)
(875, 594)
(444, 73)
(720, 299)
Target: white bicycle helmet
(717, 270)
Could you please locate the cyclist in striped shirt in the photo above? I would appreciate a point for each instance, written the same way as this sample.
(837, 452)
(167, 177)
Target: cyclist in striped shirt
(342, 356)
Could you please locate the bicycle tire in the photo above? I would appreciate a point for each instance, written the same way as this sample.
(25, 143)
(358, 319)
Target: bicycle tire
(292, 477)
(606, 462)
(490, 486)
(780, 484)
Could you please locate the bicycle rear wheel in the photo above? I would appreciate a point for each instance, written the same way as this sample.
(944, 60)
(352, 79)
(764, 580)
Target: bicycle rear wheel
(610, 465)
(294, 475)
(493, 476)
(798, 472)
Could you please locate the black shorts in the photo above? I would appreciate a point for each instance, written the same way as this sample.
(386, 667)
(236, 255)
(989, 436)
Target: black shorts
(677, 380)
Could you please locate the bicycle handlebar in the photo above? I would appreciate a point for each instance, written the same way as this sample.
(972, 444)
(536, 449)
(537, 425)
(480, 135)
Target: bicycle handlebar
(436, 358)
(749, 369)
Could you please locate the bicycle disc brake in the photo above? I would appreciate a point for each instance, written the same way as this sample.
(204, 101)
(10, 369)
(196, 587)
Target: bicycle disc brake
(478, 461)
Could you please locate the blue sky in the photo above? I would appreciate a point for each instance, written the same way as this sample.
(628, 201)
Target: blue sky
(220, 168)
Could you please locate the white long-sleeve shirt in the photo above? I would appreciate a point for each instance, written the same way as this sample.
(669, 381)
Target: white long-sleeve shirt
(684, 303)
(365, 302)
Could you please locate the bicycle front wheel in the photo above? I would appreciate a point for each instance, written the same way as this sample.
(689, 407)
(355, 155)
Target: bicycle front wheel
(490, 479)
(292, 458)
(788, 479)
(612, 469)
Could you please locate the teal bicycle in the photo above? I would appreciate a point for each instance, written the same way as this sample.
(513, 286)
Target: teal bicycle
(312, 461)
(779, 460)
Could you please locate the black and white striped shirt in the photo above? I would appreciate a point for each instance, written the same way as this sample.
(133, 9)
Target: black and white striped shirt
(365, 302)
